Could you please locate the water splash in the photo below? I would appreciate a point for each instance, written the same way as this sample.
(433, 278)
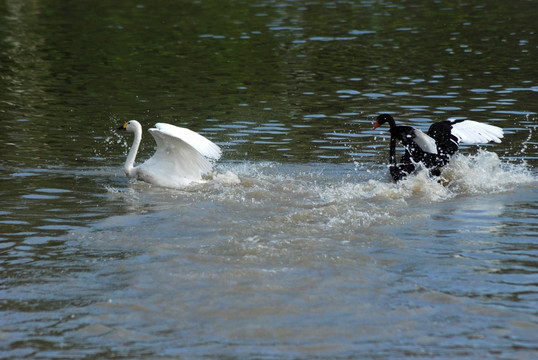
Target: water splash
(301, 199)
(227, 178)
(485, 173)
(113, 143)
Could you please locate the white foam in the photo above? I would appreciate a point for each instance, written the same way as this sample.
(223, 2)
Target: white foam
(302, 199)
(227, 178)
(314, 184)
(485, 173)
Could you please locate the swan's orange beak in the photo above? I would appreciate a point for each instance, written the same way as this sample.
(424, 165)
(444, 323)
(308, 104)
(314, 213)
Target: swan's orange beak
(376, 125)
(123, 127)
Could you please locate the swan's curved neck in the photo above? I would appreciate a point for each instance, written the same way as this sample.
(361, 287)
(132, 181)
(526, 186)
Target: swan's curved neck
(129, 163)
(391, 122)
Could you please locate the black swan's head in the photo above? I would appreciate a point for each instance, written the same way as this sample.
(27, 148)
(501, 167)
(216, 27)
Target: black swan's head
(383, 118)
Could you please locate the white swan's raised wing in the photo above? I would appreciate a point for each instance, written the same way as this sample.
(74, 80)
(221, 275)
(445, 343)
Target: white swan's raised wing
(203, 145)
(181, 157)
(473, 132)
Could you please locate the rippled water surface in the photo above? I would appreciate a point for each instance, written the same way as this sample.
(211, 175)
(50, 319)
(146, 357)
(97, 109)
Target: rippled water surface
(298, 245)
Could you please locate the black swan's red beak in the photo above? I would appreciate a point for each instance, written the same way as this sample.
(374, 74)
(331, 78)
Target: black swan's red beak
(376, 125)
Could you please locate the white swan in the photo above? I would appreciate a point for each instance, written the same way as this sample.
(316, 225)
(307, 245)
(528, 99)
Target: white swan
(181, 156)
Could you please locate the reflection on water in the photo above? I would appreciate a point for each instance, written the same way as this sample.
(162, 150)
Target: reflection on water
(298, 245)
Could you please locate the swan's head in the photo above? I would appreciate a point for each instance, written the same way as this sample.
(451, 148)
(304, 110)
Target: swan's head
(381, 119)
(131, 126)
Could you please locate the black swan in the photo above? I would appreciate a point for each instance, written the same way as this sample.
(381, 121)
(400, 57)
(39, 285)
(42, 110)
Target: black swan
(435, 148)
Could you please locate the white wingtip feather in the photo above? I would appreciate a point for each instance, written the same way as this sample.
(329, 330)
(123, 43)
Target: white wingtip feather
(203, 145)
(473, 132)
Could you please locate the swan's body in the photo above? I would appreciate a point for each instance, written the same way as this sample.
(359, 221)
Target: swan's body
(435, 148)
(182, 156)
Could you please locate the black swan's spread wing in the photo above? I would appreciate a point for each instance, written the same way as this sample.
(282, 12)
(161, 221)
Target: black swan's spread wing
(441, 132)
(450, 133)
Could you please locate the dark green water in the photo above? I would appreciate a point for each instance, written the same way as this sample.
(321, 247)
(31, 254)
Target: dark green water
(315, 253)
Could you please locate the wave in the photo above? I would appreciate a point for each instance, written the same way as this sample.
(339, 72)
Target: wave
(306, 198)
(481, 173)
